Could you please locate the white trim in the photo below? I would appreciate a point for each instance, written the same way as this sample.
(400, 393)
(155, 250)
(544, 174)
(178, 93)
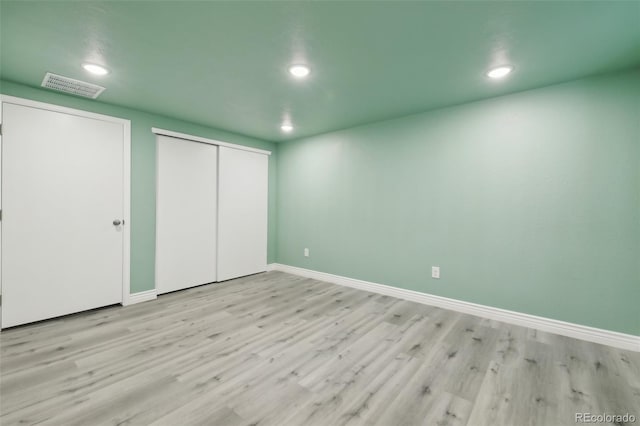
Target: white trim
(142, 296)
(155, 217)
(577, 331)
(126, 175)
(126, 214)
(179, 135)
(57, 108)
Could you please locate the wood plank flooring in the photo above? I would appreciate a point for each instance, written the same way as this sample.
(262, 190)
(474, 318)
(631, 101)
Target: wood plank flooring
(276, 349)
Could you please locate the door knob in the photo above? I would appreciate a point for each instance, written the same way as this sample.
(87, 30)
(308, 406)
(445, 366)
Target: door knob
(117, 222)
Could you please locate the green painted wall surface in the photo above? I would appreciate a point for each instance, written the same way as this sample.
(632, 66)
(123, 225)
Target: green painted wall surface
(143, 169)
(528, 202)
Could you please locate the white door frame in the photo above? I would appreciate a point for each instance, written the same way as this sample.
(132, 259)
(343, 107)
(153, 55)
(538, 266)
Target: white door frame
(126, 178)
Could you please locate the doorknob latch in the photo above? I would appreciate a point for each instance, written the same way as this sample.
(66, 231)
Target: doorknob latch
(117, 222)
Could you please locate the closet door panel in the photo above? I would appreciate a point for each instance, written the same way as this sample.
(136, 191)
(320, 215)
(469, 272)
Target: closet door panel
(186, 214)
(62, 249)
(242, 213)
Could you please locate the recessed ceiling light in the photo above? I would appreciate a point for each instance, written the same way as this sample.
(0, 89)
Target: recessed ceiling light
(299, 71)
(95, 69)
(500, 72)
(286, 128)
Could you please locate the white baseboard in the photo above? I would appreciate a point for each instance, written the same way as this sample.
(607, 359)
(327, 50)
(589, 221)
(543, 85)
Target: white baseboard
(140, 297)
(577, 331)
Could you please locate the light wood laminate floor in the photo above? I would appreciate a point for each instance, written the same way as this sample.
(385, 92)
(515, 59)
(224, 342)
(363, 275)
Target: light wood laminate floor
(276, 349)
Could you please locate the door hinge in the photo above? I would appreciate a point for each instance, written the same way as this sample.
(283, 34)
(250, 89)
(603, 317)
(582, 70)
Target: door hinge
(0, 214)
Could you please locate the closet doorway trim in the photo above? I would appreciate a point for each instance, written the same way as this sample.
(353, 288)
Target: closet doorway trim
(188, 137)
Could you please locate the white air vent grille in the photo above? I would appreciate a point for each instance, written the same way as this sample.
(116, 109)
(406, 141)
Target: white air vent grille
(71, 85)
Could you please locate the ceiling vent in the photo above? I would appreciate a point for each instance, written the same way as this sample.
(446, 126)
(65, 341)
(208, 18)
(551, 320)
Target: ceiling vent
(71, 86)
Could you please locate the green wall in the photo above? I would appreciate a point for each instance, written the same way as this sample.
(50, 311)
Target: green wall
(528, 202)
(143, 163)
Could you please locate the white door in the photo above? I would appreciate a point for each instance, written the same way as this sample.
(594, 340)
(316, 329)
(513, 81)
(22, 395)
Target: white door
(186, 214)
(242, 213)
(62, 190)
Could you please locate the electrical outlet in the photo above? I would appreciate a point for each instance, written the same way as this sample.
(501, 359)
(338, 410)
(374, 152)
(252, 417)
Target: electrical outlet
(435, 272)
(306, 252)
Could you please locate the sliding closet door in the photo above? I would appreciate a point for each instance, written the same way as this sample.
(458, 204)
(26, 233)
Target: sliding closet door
(242, 213)
(186, 214)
